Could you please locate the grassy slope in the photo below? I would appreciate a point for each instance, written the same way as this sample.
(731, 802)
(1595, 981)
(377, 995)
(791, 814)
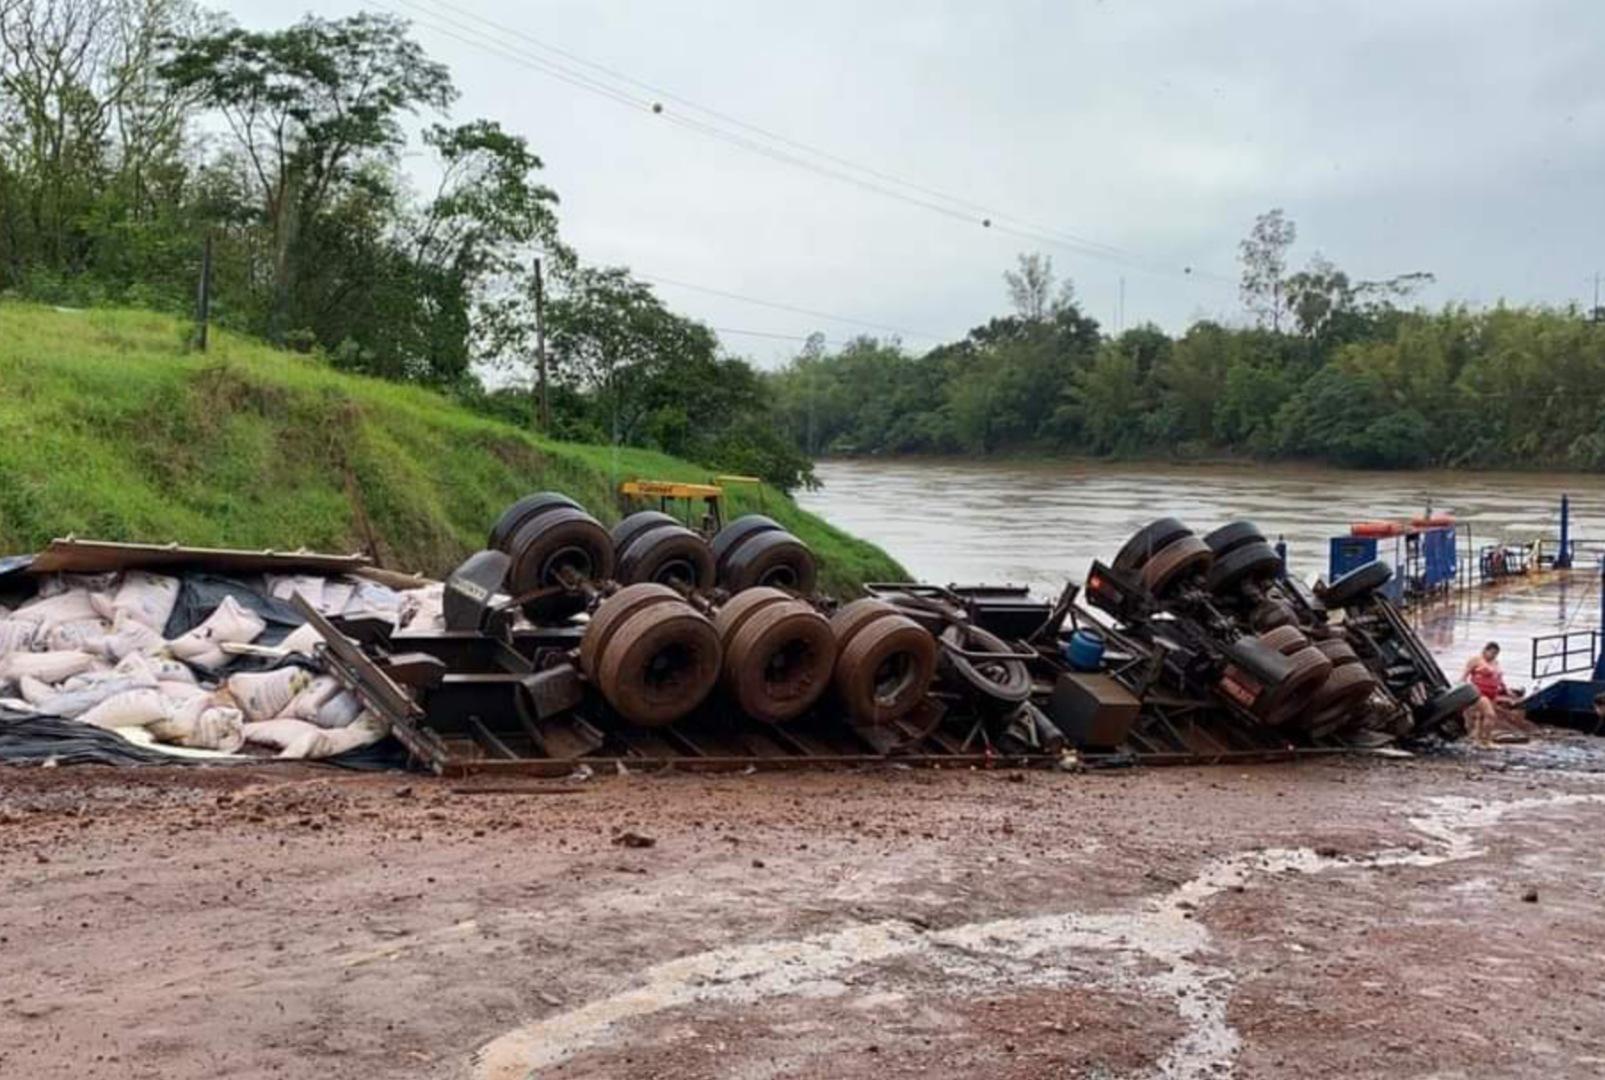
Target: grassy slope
(110, 429)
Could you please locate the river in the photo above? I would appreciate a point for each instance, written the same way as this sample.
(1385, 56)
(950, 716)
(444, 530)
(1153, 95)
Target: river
(1042, 524)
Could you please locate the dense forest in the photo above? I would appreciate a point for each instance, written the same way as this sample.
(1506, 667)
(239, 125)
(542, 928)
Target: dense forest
(1329, 370)
(135, 133)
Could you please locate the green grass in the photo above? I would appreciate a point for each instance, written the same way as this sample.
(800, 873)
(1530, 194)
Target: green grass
(111, 429)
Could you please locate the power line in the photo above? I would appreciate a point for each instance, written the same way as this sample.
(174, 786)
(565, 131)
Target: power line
(762, 334)
(778, 306)
(948, 205)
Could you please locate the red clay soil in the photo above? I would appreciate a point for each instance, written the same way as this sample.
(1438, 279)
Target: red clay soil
(289, 922)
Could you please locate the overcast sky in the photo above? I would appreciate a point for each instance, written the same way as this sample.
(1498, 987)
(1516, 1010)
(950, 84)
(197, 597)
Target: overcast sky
(1461, 137)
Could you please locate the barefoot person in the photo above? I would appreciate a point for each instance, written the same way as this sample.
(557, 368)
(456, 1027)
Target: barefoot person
(1493, 708)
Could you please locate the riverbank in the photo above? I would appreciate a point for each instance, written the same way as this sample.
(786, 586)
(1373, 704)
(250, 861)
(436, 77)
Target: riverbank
(110, 428)
(1354, 917)
(1048, 462)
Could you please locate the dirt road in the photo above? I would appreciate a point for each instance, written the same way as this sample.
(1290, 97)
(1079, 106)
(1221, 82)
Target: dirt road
(1344, 919)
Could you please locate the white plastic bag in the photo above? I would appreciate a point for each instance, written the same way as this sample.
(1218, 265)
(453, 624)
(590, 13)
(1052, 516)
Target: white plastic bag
(146, 598)
(231, 622)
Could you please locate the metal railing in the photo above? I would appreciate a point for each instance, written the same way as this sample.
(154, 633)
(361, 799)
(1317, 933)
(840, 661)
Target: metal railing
(1564, 653)
(1583, 551)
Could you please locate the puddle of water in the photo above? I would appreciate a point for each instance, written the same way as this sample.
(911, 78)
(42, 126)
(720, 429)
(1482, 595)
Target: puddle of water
(1160, 936)
(1041, 525)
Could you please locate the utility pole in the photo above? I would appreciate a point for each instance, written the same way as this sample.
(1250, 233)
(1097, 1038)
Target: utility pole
(1120, 311)
(1598, 314)
(203, 295)
(545, 413)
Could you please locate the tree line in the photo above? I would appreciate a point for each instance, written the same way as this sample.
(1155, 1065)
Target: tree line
(1328, 369)
(132, 131)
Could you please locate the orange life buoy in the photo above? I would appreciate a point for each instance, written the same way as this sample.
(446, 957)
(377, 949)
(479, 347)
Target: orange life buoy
(1432, 521)
(1375, 528)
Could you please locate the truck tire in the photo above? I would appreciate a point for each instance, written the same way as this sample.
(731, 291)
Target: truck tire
(1357, 584)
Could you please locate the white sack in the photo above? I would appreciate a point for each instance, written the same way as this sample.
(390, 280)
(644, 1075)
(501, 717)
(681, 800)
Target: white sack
(367, 730)
(146, 598)
(262, 695)
(56, 584)
(47, 667)
(86, 634)
(17, 635)
(159, 668)
(131, 708)
(128, 636)
(177, 692)
(303, 639)
(202, 724)
(337, 594)
(73, 704)
(231, 622)
(74, 605)
(310, 586)
(325, 704)
(423, 609)
(372, 598)
(279, 733)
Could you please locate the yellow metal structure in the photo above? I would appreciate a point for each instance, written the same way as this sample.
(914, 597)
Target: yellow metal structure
(668, 489)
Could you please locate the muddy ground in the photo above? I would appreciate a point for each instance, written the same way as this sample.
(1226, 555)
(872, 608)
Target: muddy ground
(1347, 918)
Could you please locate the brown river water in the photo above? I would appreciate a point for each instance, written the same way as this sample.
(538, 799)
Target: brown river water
(1042, 524)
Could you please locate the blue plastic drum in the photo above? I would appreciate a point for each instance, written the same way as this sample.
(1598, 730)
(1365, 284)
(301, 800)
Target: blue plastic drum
(1084, 650)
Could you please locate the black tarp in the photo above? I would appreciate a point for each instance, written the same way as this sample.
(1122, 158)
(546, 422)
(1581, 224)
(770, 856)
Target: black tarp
(31, 739)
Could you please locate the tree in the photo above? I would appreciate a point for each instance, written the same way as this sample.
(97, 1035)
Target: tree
(89, 140)
(314, 110)
(1263, 254)
(1031, 288)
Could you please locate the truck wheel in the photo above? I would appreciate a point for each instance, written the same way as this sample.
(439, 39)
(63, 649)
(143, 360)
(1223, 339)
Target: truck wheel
(660, 663)
(736, 532)
(885, 669)
(668, 553)
(558, 543)
(630, 527)
(1146, 541)
(779, 660)
(776, 559)
(1179, 560)
(1357, 584)
(1252, 559)
(1231, 536)
(521, 511)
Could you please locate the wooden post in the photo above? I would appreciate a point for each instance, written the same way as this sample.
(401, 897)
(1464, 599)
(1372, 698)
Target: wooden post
(203, 297)
(545, 414)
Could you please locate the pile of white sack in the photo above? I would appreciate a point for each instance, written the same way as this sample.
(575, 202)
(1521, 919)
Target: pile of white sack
(91, 648)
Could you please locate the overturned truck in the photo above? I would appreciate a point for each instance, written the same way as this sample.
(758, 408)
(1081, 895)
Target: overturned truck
(565, 645)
